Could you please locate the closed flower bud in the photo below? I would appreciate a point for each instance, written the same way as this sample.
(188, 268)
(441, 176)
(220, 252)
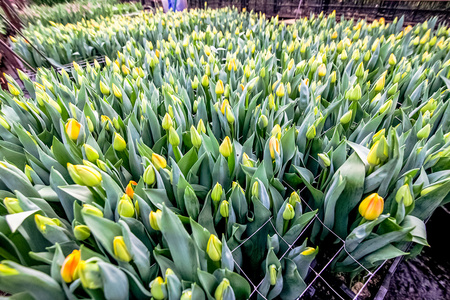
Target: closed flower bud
(347, 117)
(69, 266)
(430, 106)
(289, 212)
(294, 199)
(158, 161)
(4, 123)
(218, 294)
(276, 131)
(89, 273)
(263, 122)
(246, 161)
(158, 288)
(214, 248)
(392, 60)
(379, 84)
(325, 159)
(91, 153)
(229, 115)
(280, 90)
(274, 147)
(129, 190)
(322, 70)
(104, 88)
(73, 129)
(404, 195)
(371, 207)
(219, 87)
(116, 91)
(90, 124)
(273, 274)
(424, 132)
(81, 232)
(196, 139)
(201, 127)
(333, 77)
(14, 90)
(311, 132)
(226, 148)
(392, 90)
(155, 218)
(308, 251)
(378, 152)
(125, 208)
(84, 175)
(385, 106)
(91, 210)
(360, 71)
(216, 193)
(119, 143)
(120, 249)
(174, 139)
(355, 93)
(167, 122)
(12, 205)
(205, 81)
(224, 209)
(42, 222)
(255, 189)
(195, 83)
(187, 295)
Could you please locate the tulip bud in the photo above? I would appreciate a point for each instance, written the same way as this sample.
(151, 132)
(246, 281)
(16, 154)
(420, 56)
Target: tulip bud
(325, 159)
(158, 288)
(346, 117)
(355, 93)
(289, 212)
(214, 248)
(274, 147)
(308, 251)
(216, 193)
(201, 127)
(360, 71)
(280, 90)
(91, 153)
(224, 209)
(69, 266)
(91, 210)
(90, 124)
(42, 222)
(73, 129)
(424, 132)
(187, 295)
(116, 91)
(125, 208)
(121, 250)
(378, 152)
(4, 123)
(158, 161)
(263, 122)
(392, 60)
(371, 207)
(322, 70)
(174, 139)
(12, 205)
(379, 84)
(84, 175)
(119, 143)
(229, 115)
(155, 218)
(13, 90)
(294, 199)
(273, 274)
(219, 87)
(167, 122)
(311, 132)
(218, 294)
(81, 232)
(89, 273)
(104, 88)
(196, 139)
(404, 194)
(392, 90)
(205, 81)
(385, 106)
(246, 160)
(226, 148)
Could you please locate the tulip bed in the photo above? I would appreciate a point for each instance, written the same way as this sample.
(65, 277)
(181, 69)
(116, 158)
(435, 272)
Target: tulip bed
(214, 156)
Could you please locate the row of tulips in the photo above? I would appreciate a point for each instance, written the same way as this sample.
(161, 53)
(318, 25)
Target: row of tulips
(208, 156)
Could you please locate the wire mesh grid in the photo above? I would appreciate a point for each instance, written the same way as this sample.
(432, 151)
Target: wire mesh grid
(315, 274)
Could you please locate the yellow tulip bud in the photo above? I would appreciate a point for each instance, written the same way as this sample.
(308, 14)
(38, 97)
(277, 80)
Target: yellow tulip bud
(73, 129)
(91, 210)
(196, 139)
(371, 207)
(42, 222)
(104, 88)
(120, 249)
(90, 152)
(214, 248)
(89, 273)
(158, 288)
(116, 91)
(224, 284)
(125, 208)
(84, 175)
(158, 161)
(69, 266)
(119, 143)
(155, 218)
(274, 147)
(81, 232)
(12, 205)
(224, 209)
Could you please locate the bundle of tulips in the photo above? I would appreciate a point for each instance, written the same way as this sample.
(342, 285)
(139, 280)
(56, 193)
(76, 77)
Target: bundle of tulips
(214, 156)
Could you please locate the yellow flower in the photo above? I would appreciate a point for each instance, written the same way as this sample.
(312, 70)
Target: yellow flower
(219, 87)
(158, 161)
(274, 146)
(69, 266)
(73, 128)
(155, 218)
(214, 248)
(226, 147)
(371, 207)
(120, 249)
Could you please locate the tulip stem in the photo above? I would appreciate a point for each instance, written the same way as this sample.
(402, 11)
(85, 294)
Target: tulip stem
(285, 226)
(177, 153)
